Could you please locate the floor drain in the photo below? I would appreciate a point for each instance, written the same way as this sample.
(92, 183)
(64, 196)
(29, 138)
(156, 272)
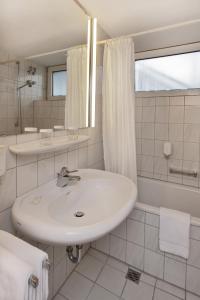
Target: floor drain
(133, 275)
(79, 214)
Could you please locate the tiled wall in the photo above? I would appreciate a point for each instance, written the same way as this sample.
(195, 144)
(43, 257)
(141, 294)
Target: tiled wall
(8, 93)
(49, 113)
(172, 118)
(136, 242)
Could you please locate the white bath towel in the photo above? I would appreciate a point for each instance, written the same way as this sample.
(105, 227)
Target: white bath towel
(14, 276)
(174, 232)
(31, 255)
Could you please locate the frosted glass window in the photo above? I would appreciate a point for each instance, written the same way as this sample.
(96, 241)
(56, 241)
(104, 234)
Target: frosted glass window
(175, 72)
(59, 83)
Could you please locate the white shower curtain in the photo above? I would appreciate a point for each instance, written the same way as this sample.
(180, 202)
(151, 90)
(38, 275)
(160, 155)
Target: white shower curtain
(75, 107)
(119, 108)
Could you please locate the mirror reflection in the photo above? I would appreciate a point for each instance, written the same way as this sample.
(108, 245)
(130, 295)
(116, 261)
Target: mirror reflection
(43, 91)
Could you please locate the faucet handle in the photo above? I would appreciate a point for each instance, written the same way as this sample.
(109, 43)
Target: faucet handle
(64, 171)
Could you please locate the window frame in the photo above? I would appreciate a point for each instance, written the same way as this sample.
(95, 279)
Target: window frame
(162, 52)
(50, 71)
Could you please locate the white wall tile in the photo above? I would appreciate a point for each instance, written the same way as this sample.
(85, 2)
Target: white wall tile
(162, 114)
(137, 215)
(176, 114)
(138, 114)
(195, 232)
(148, 114)
(175, 272)
(161, 132)
(177, 150)
(26, 178)
(147, 147)
(60, 161)
(175, 132)
(73, 158)
(135, 232)
(154, 263)
(178, 100)
(8, 189)
(151, 238)
(148, 130)
(191, 133)
(192, 281)
(194, 257)
(192, 114)
(117, 248)
(149, 101)
(147, 163)
(191, 151)
(45, 170)
(120, 231)
(152, 219)
(103, 244)
(162, 101)
(135, 255)
(6, 222)
(192, 100)
(83, 158)
(160, 166)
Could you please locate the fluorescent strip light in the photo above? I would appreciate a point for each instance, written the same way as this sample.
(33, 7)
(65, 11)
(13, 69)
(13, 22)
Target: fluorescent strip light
(93, 75)
(88, 71)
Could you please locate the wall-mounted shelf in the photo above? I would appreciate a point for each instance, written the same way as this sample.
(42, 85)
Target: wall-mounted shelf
(47, 145)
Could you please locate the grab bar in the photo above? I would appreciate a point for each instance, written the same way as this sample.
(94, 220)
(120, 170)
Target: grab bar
(192, 173)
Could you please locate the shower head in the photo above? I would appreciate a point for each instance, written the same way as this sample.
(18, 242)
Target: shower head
(28, 83)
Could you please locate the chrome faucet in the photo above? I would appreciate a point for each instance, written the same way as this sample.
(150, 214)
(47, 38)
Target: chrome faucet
(64, 178)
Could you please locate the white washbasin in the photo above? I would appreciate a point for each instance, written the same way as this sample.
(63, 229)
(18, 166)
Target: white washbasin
(47, 214)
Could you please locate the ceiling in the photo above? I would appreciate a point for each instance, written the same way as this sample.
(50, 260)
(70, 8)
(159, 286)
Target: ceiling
(130, 16)
(29, 27)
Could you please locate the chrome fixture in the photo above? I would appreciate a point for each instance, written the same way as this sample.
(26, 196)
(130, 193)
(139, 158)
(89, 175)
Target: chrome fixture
(31, 70)
(64, 178)
(28, 83)
(74, 258)
(192, 173)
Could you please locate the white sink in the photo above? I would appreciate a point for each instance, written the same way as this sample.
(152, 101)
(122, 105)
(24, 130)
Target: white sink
(47, 214)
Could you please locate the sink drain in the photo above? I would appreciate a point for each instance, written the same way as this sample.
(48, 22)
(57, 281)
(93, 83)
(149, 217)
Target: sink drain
(79, 214)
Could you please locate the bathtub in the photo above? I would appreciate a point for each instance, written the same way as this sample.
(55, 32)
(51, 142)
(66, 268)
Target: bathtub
(154, 193)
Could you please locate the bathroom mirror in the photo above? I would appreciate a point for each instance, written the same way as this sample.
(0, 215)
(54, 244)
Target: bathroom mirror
(44, 79)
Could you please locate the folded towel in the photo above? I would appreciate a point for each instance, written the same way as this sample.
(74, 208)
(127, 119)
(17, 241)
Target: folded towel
(32, 256)
(14, 276)
(174, 232)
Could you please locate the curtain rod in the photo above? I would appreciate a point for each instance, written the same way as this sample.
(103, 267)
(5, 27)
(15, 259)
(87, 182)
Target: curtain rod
(168, 47)
(154, 30)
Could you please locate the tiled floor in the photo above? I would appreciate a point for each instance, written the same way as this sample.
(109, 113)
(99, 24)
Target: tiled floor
(100, 277)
